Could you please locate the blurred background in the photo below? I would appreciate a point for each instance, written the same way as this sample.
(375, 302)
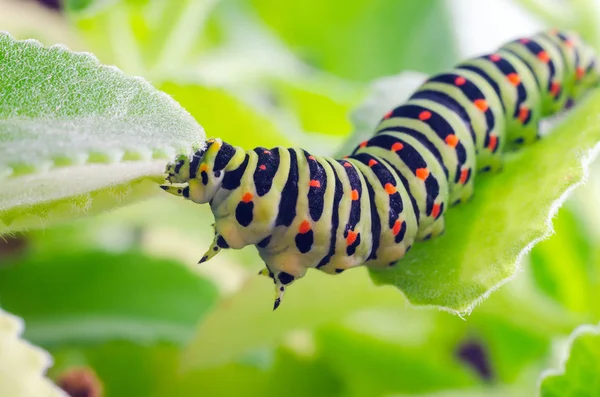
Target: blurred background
(117, 298)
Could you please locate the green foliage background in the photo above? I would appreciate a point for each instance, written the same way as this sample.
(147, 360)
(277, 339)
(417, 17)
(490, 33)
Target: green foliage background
(107, 282)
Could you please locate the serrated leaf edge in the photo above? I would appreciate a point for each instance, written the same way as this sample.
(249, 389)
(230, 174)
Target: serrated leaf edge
(585, 329)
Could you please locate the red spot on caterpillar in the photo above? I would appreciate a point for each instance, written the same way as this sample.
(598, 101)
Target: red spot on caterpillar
(463, 176)
(460, 81)
(246, 198)
(311, 157)
(304, 227)
(262, 167)
(451, 140)
(493, 142)
(543, 56)
(435, 211)
(397, 227)
(424, 115)
(345, 157)
(347, 165)
(524, 41)
(397, 147)
(481, 104)
(354, 194)
(422, 173)
(388, 114)
(315, 183)
(495, 57)
(372, 163)
(390, 189)
(514, 79)
(363, 144)
(267, 152)
(351, 238)
(523, 114)
(554, 88)
(569, 43)
(580, 73)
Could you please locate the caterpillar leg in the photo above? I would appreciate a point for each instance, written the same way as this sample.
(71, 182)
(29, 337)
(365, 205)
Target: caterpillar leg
(177, 191)
(217, 245)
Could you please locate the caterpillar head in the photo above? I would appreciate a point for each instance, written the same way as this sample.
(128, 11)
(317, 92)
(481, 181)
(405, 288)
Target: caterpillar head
(178, 171)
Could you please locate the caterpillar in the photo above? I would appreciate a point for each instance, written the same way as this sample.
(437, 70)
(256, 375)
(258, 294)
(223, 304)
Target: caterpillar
(368, 208)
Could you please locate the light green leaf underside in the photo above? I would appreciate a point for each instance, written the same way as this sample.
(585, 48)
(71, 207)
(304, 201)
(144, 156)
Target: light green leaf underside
(70, 126)
(129, 296)
(22, 365)
(510, 211)
(579, 375)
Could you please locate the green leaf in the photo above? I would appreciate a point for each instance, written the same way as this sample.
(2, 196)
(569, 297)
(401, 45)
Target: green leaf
(94, 296)
(227, 117)
(364, 39)
(22, 366)
(510, 211)
(579, 375)
(73, 132)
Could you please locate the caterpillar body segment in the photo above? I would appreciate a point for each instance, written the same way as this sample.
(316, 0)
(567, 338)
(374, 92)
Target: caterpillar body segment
(303, 211)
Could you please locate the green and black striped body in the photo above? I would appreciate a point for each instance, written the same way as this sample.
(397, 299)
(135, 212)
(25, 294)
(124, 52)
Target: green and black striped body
(303, 211)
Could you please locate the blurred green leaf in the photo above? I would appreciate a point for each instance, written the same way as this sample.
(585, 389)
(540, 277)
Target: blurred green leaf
(364, 39)
(93, 296)
(563, 264)
(486, 237)
(320, 299)
(22, 366)
(70, 127)
(579, 375)
(227, 117)
(398, 363)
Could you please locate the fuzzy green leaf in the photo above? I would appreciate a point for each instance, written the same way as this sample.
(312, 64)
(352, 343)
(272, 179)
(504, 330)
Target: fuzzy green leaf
(93, 296)
(70, 127)
(579, 375)
(22, 366)
(510, 211)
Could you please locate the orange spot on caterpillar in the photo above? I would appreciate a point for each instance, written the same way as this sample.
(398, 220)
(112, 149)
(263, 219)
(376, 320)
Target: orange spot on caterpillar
(267, 152)
(580, 72)
(204, 167)
(543, 56)
(451, 140)
(495, 57)
(304, 227)
(523, 114)
(422, 173)
(569, 43)
(463, 176)
(435, 211)
(345, 157)
(351, 238)
(481, 104)
(390, 189)
(424, 115)
(315, 183)
(246, 198)
(354, 194)
(372, 163)
(493, 142)
(262, 167)
(347, 165)
(524, 41)
(397, 227)
(388, 115)
(514, 79)
(397, 147)
(363, 144)
(555, 88)
(460, 81)
(554, 31)
(311, 157)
